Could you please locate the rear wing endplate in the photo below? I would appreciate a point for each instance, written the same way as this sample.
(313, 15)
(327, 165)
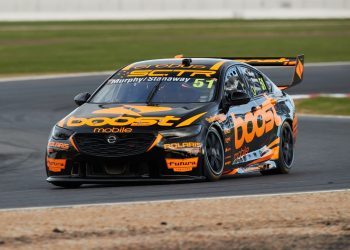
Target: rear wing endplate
(297, 62)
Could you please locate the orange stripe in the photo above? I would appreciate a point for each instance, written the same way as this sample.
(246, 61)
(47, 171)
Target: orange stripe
(262, 159)
(189, 121)
(233, 172)
(217, 65)
(276, 153)
(274, 143)
(156, 141)
(73, 143)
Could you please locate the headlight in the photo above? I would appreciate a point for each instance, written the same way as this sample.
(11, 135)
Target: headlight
(61, 133)
(182, 132)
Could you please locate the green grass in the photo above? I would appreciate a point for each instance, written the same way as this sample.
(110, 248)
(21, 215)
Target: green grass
(324, 105)
(47, 47)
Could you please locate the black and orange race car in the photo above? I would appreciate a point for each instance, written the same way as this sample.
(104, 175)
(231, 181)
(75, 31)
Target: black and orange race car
(178, 119)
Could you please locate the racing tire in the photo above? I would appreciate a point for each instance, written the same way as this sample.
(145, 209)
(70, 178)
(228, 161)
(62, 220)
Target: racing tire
(286, 152)
(213, 155)
(68, 185)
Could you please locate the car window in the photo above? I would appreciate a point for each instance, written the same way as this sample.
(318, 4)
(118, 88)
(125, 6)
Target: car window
(172, 89)
(255, 81)
(233, 81)
(269, 84)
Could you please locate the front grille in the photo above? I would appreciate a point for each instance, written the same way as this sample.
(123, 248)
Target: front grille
(125, 145)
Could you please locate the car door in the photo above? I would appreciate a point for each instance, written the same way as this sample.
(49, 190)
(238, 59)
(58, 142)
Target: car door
(263, 109)
(236, 144)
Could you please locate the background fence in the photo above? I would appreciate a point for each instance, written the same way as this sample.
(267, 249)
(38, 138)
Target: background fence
(171, 9)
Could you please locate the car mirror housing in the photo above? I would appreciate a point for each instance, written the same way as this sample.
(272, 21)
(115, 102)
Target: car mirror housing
(238, 98)
(81, 98)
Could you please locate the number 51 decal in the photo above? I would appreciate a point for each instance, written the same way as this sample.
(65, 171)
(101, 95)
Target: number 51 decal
(199, 83)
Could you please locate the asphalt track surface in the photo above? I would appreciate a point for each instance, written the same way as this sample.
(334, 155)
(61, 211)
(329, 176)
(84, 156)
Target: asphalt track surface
(28, 110)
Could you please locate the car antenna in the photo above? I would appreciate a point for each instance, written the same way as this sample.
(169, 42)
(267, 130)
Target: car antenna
(187, 62)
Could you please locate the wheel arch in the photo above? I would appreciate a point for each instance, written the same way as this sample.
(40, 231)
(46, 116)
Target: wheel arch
(288, 120)
(219, 129)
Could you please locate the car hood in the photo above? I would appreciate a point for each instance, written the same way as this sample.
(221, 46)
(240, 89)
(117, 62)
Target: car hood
(136, 115)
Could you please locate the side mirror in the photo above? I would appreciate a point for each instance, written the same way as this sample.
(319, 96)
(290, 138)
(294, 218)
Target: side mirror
(238, 98)
(81, 98)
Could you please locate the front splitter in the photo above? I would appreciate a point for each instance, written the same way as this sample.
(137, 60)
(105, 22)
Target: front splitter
(58, 179)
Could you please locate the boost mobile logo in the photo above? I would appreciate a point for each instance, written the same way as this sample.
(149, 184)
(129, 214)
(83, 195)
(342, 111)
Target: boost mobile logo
(269, 119)
(128, 116)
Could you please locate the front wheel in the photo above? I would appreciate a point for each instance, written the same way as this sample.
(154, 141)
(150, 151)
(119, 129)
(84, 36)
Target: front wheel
(214, 155)
(286, 152)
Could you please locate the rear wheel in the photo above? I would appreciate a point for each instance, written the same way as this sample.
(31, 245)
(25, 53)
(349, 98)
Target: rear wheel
(214, 155)
(69, 185)
(286, 152)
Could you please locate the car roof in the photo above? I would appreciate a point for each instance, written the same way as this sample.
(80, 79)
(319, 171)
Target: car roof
(196, 63)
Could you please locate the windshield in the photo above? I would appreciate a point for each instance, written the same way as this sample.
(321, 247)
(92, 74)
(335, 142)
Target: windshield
(156, 90)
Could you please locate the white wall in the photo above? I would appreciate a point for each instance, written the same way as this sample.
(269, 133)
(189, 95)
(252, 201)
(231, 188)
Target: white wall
(169, 9)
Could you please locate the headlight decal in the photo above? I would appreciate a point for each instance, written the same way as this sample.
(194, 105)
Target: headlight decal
(71, 140)
(59, 133)
(156, 141)
(182, 132)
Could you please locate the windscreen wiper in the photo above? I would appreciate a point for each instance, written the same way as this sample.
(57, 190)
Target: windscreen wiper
(153, 92)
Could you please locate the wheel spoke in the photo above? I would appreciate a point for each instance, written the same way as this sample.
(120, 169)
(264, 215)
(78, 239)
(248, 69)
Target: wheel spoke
(214, 152)
(217, 165)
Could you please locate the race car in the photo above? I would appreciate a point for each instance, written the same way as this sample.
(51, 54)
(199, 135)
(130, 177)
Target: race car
(178, 119)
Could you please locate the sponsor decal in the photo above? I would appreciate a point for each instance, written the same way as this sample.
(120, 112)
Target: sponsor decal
(183, 145)
(167, 72)
(130, 115)
(267, 114)
(113, 130)
(182, 165)
(132, 110)
(149, 79)
(282, 60)
(58, 145)
(243, 151)
(193, 148)
(171, 66)
(121, 121)
(56, 165)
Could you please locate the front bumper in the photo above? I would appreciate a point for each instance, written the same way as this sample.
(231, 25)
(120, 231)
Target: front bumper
(168, 161)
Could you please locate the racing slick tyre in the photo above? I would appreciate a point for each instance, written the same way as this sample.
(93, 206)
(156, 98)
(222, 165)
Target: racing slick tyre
(214, 155)
(286, 152)
(68, 185)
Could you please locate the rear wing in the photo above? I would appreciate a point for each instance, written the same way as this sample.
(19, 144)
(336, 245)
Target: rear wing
(297, 62)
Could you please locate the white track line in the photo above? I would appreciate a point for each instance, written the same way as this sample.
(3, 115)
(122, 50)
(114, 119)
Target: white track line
(327, 64)
(54, 76)
(310, 96)
(173, 200)
(58, 76)
(323, 116)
